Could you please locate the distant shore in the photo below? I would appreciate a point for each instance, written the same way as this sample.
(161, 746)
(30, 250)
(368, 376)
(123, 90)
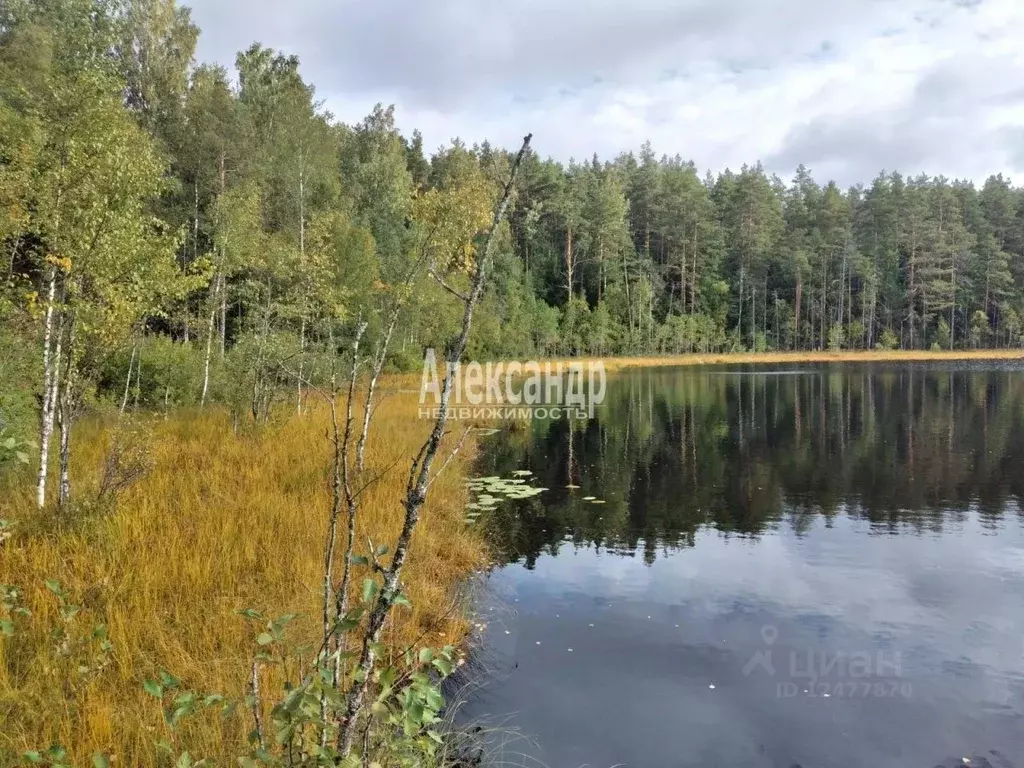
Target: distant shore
(852, 356)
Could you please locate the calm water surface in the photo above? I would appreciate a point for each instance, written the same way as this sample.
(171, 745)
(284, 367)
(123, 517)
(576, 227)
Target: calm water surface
(821, 566)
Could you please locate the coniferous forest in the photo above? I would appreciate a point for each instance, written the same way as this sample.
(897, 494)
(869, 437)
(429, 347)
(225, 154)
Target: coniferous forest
(169, 217)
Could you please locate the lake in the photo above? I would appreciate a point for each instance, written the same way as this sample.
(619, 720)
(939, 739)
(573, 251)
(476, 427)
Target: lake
(820, 565)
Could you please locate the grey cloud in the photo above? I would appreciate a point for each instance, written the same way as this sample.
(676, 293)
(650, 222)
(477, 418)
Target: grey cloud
(940, 129)
(448, 53)
(598, 75)
(841, 147)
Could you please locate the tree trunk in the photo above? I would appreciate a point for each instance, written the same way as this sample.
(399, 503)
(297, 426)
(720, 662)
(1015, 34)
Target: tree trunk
(842, 290)
(128, 381)
(739, 317)
(796, 313)
(14, 255)
(195, 244)
(302, 266)
(138, 382)
(753, 312)
(682, 278)
(67, 416)
(302, 360)
(51, 378)
(764, 309)
(847, 288)
(569, 260)
(952, 303)
(629, 301)
(693, 281)
(209, 347)
(911, 283)
(223, 290)
(775, 300)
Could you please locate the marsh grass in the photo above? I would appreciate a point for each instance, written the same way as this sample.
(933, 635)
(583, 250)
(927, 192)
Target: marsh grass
(222, 522)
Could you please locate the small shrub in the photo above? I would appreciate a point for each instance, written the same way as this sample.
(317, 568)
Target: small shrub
(888, 340)
(128, 460)
(836, 337)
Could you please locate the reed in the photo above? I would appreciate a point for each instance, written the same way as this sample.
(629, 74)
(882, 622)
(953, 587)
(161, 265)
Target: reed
(221, 523)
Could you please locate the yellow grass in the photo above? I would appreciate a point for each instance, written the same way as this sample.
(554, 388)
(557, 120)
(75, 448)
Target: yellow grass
(617, 363)
(222, 523)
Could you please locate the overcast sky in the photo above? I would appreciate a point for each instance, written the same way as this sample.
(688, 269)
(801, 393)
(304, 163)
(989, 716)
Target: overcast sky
(847, 87)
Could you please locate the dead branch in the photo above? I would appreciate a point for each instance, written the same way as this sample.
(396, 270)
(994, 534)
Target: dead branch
(419, 479)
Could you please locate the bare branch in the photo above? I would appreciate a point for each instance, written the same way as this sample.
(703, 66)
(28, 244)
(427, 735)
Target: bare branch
(452, 455)
(441, 281)
(254, 684)
(419, 479)
(340, 477)
(350, 503)
(375, 479)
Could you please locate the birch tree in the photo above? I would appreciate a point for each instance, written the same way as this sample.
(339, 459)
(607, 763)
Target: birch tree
(106, 259)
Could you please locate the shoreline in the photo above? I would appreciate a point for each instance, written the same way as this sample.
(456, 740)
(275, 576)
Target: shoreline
(849, 356)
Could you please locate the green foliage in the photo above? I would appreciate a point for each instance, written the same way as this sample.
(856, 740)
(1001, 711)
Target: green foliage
(10, 596)
(979, 329)
(575, 326)
(685, 334)
(18, 417)
(888, 340)
(12, 450)
(941, 334)
(836, 337)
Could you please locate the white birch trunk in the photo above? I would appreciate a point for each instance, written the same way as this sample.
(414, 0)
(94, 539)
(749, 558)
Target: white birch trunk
(64, 489)
(302, 265)
(209, 351)
(51, 373)
(223, 288)
(128, 381)
(67, 416)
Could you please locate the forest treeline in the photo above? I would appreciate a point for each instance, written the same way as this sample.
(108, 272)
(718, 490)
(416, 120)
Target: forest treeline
(174, 231)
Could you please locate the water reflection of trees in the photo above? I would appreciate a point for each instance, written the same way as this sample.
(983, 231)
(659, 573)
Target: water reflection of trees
(906, 448)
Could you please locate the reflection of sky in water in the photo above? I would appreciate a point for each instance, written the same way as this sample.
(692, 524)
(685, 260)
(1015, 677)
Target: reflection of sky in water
(635, 688)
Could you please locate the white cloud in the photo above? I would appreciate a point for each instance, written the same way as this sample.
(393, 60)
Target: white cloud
(847, 87)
